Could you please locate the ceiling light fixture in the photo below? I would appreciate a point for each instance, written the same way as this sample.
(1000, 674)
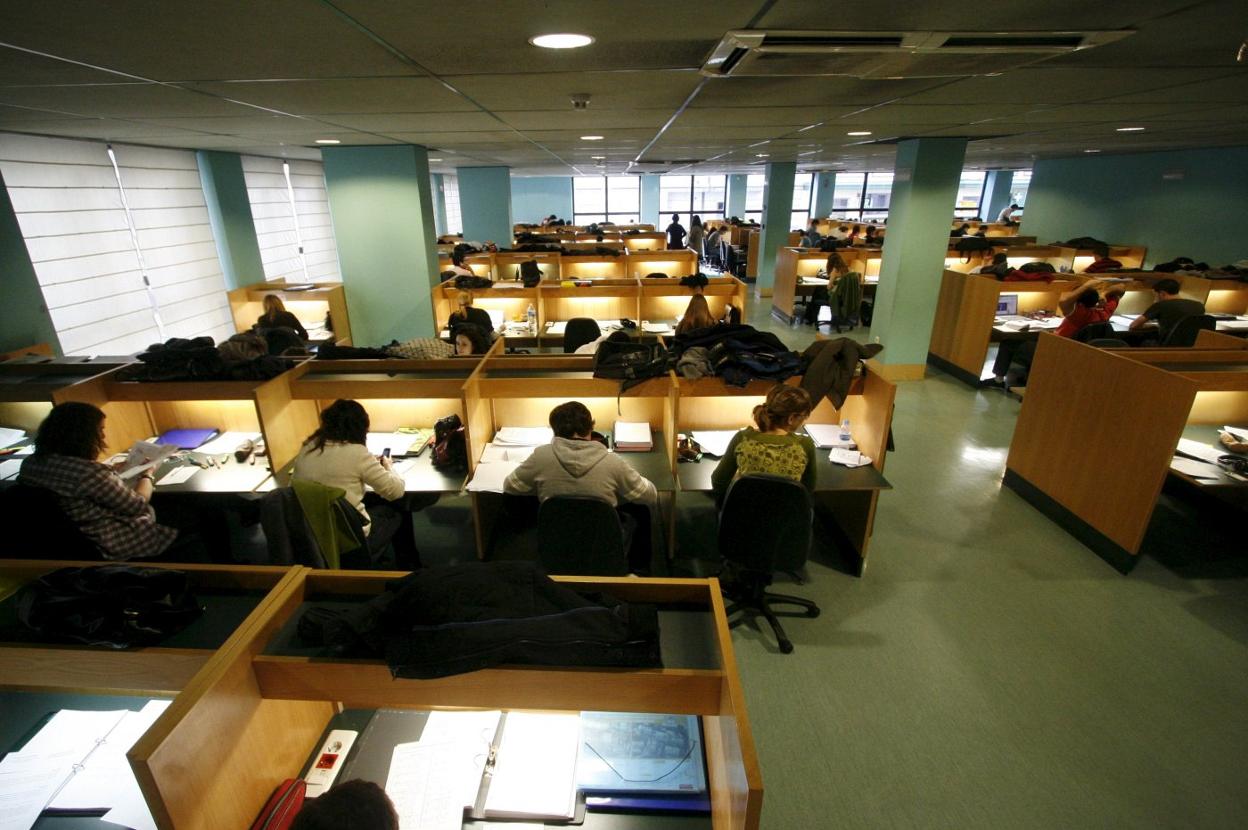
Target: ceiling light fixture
(810, 127)
(762, 155)
(597, 158)
(328, 141)
(591, 138)
(1130, 129)
(859, 132)
(561, 40)
(1091, 151)
(435, 159)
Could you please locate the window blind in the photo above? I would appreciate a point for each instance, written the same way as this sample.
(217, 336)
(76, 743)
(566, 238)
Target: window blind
(69, 207)
(450, 191)
(291, 215)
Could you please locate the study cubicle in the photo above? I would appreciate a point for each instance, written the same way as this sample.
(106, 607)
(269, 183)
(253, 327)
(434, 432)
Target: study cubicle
(1131, 256)
(35, 350)
(653, 241)
(844, 497)
(257, 712)
(1076, 399)
(797, 274)
(321, 307)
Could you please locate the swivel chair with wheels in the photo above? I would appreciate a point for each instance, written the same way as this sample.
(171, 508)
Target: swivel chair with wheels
(581, 537)
(1185, 331)
(578, 332)
(39, 529)
(753, 551)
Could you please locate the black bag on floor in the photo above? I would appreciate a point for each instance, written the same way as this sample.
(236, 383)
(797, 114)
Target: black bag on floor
(117, 606)
(866, 310)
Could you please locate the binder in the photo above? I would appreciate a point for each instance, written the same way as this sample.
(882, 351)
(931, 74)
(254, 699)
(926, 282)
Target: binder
(530, 772)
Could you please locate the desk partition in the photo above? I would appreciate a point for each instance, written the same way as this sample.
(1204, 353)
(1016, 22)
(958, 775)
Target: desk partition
(310, 306)
(1131, 256)
(680, 263)
(644, 241)
(593, 267)
(666, 300)
(28, 391)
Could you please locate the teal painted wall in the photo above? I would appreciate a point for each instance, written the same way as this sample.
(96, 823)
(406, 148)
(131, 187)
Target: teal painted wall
(533, 198)
(925, 186)
(24, 319)
(736, 195)
(777, 212)
(485, 204)
(825, 189)
(1178, 203)
(650, 201)
(382, 207)
(229, 212)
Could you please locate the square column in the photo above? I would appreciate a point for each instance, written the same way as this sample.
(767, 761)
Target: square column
(997, 186)
(24, 317)
(485, 204)
(825, 190)
(925, 186)
(777, 214)
(381, 202)
(229, 213)
(735, 205)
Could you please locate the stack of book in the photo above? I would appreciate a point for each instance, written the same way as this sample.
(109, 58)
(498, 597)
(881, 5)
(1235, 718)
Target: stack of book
(632, 437)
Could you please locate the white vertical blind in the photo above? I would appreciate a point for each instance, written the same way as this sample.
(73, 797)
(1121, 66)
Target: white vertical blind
(69, 208)
(281, 224)
(450, 190)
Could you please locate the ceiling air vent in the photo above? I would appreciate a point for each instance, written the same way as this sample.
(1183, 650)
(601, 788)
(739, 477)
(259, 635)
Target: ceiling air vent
(748, 53)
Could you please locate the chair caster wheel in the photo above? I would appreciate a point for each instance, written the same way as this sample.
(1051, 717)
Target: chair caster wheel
(812, 613)
(786, 647)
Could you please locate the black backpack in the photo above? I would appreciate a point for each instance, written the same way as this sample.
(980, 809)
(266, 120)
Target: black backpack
(530, 274)
(470, 283)
(1037, 267)
(630, 362)
(971, 244)
(450, 449)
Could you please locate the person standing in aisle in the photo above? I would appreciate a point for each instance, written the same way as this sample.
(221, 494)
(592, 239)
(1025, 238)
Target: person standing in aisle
(675, 234)
(696, 232)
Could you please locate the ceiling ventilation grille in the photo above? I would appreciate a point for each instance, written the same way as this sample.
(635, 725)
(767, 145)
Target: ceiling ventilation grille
(890, 55)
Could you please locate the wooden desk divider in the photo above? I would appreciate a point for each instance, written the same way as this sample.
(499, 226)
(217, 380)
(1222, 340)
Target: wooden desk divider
(1019, 255)
(592, 267)
(604, 299)
(30, 666)
(680, 263)
(513, 301)
(1076, 397)
(33, 350)
(249, 719)
(247, 304)
(507, 264)
(791, 265)
(1131, 256)
(653, 241)
(666, 300)
(965, 309)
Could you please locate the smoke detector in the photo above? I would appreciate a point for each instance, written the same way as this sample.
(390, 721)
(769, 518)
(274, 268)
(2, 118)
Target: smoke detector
(580, 100)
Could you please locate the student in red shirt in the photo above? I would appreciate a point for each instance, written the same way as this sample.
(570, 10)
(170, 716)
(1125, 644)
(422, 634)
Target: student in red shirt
(1102, 262)
(1093, 302)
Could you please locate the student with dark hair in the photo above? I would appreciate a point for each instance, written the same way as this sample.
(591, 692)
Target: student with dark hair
(466, 312)
(869, 237)
(696, 234)
(981, 231)
(772, 446)
(116, 516)
(351, 805)
(1103, 261)
(470, 340)
(458, 254)
(1092, 302)
(1168, 309)
(675, 234)
(276, 316)
(962, 230)
(337, 455)
(999, 268)
(1006, 216)
(836, 268)
(812, 237)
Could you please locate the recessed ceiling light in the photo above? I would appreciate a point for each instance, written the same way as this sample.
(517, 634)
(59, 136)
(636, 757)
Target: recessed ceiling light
(859, 132)
(435, 159)
(591, 138)
(596, 158)
(762, 155)
(1130, 129)
(328, 141)
(561, 40)
(1091, 151)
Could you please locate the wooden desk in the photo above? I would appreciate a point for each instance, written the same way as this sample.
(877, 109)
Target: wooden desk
(1080, 398)
(311, 306)
(507, 264)
(36, 349)
(605, 299)
(680, 263)
(1131, 256)
(507, 297)
(791, 265)
(252, 716)
(666, 300)
(644, 241)
(28, 391)
(846, 498)
(594, 266)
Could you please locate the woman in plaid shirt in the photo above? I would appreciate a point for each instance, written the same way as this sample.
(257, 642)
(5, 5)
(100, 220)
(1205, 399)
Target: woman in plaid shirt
(110, 513)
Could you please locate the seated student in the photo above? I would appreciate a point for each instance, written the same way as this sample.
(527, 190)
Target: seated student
(1103, 261)
(351, 805)
(836, 269)
(466, 312)
(697, 315)
(337, 455)
(999, 268)
(458, 254)
(772, 446)
(869, 238)
(470, 340)
(841, 232)
(1168, 309)
(812, 236)
(962, 230)
(1006, 215)
(276, 316)
(981, 231)
(1082, 306)
(111, 513)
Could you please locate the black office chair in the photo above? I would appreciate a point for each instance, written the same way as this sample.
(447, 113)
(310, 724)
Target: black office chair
(1094, 331)
(753, 550)
(579, 331)
(1185, 331)
(1109, 343)
(39, 529)
(582, 537)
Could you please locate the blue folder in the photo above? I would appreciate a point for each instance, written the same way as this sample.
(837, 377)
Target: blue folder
(187, 439)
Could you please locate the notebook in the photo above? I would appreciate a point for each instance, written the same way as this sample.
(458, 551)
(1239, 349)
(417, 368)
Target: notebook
(187, 439)
(631, 436)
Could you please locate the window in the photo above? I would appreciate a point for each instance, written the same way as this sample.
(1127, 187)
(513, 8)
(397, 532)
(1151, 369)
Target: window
(754, 187)
(454, 217)
(1019, 186)
(120, 240)
(803, 194)
(614, 199)
(291, 212)
(847, 195)
(970, 195)
(685, 196)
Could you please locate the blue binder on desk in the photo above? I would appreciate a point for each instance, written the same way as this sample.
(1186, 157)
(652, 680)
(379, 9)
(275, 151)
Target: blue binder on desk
(187, 439)
(647, 762)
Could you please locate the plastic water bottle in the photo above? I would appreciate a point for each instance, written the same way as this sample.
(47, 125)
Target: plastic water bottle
(845, 435)
(531, 314)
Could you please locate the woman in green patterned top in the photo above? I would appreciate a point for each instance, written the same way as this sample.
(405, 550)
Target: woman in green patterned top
(774, 447)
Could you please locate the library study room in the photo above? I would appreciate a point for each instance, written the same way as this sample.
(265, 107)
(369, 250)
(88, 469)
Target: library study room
(623, 415)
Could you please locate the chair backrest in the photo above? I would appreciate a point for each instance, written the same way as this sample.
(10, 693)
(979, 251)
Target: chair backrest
(581, 537)
(334, 522)
(1094, 331)
(37, 527)
(782, 542)
(1108, 343)
(848, 293)
(578, 332)
(287, 534)
(1185, 331)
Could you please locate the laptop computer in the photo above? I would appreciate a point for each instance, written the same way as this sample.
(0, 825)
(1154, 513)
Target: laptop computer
(1007, 305)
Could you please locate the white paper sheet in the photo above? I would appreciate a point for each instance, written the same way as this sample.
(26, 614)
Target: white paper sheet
(632, 435)
(27, 782)
(105, 778)
(489, 477)
(1199, 450)
(504, 452)
(10, 467)
(73, 731)
(226, 443)
(828, 435)
(398, 442)
(145, 455)
(178, 475)
(1195, 469)
(431, 783)
(10, 436)
(848, 458)
(656, 328)
(535, 771)
(524, 436)
(714, 441)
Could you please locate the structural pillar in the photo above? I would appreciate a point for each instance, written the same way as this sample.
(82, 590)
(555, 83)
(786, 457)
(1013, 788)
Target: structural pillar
(382, 206)
(777, 215)
(997, 186)
(485, 204)
(737, 182)
(439, 204)
(229, 213)
(24, 317)
(925, 186)
(825, 190)
(650, 201)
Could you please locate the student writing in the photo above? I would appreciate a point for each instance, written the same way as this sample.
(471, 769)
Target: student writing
(772, 446)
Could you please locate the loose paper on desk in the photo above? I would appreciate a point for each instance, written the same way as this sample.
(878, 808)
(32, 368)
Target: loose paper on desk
(226, 443)
(433, 780)
(1199, 450)
(10, 468)
(398, 442)
(714, 441)
(178, 475)
(656, 328)
(505, 452)
(1195, 469)
(524, 436)
(9, 437)
(489, 477)
(826, 436)
(535, 770)
(848, 458)
(145, 455)
(27, 781)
